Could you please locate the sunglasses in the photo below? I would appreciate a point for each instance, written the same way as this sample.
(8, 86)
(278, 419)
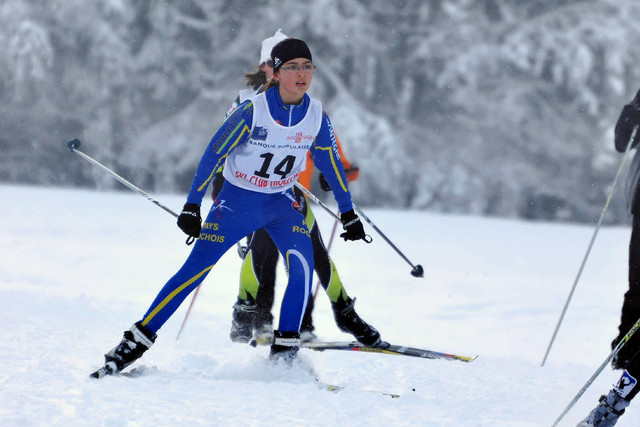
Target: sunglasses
(308, 68)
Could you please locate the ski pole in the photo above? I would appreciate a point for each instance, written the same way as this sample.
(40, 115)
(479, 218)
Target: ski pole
(615, 351)
(318, 201)
(309, 194)
(186, 315)
(73, 147)
(593, 238)
(417, 270)
(333, 233)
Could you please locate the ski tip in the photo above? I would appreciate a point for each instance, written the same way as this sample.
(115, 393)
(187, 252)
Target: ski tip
(102, 372)
(465, 359)
(73, 144)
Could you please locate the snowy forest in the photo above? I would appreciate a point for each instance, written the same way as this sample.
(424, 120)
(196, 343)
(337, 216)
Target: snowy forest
(489, 107)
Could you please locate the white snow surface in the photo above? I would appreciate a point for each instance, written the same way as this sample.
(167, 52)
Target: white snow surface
(78, 267)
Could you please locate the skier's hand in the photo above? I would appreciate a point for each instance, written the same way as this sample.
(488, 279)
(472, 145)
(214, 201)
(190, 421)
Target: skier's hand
(629, 118)
(323, 183)
(352, 173)
(189, 220)
(353, 229)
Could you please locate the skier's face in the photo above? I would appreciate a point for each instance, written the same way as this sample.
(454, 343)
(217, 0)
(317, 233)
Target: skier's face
(294, 78)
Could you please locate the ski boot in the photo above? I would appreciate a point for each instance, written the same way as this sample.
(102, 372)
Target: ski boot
(606, 414)
(348, 321)
(134, 343)
(242, 321)
(263, 327)
(263, 334)
(285, 346)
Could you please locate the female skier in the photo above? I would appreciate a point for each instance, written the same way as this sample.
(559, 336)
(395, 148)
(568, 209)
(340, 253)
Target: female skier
(252, 318)
(263, 144)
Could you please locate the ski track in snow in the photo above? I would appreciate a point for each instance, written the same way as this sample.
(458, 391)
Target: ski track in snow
(78, 267)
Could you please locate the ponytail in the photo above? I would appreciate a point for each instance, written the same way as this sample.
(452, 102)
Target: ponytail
(256, 79)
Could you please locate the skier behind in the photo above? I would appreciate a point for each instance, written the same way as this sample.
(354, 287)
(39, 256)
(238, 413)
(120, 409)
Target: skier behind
(252, 318)
(263, 144)
(613, 405)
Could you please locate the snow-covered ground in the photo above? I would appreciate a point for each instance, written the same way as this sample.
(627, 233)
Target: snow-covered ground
(79, 267)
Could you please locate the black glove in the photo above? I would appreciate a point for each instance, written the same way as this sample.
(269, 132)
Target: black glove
(629, 118)
(189, 219)
(353, 229)
(323, 183)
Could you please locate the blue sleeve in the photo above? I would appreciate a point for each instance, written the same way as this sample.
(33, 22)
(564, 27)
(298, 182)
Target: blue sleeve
(232, 132)
(326, 158)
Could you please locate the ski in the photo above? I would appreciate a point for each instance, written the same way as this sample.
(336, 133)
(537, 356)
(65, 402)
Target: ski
(397, 350)
(141, 371)
(138, 371)
(338, 388)
(103, 372)
(100, 373)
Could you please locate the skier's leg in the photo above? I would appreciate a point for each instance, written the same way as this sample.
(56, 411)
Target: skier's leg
(264, 262)
(344, 313)
(252, 310)
(221, 229)
(291, 235)
(219, 233)
(630, 312)
(612, 405)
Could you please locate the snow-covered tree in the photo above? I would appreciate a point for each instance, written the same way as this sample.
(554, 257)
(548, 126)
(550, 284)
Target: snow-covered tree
(495, 107)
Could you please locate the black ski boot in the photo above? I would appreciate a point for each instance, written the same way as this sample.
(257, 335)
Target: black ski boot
(348, 321)
(606, 414)
(285, 346)
(242, 321)
(134, 343)
(263, 327)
